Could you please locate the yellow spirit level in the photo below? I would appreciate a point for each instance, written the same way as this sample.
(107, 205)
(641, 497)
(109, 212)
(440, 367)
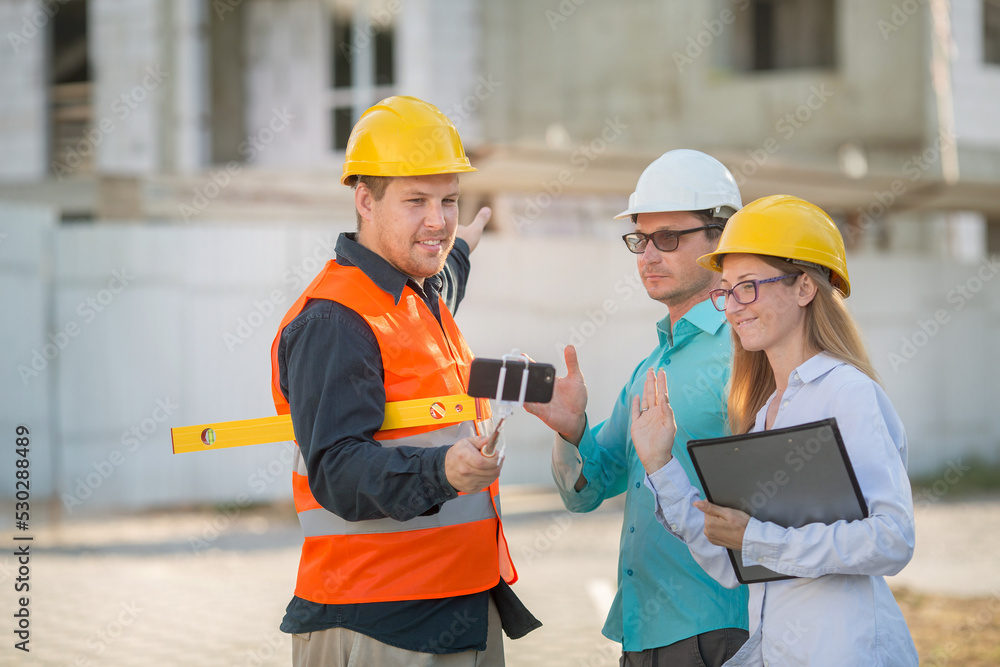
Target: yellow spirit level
(398, 414)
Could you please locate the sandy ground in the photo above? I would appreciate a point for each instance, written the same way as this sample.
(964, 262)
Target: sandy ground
(201, 588)
(958, 549)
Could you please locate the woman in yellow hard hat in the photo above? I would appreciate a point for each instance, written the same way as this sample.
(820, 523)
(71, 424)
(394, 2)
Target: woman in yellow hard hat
(798, 357)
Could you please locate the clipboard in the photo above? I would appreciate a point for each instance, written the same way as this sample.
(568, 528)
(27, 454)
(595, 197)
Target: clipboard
(791, 477)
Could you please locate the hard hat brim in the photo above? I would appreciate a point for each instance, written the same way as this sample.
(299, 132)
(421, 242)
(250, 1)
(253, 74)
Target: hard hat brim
(671, 208)
(713, 262)
(667, 207)
(784, 227)
(397, 170)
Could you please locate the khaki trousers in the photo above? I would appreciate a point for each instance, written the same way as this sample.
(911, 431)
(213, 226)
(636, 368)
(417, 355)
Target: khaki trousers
(340, 647)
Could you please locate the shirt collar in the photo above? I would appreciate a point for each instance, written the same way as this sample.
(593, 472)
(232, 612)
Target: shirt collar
(387, 277)
(816, 367)
(702, 315)
(809, 370)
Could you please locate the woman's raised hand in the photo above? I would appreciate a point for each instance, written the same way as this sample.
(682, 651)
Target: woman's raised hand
(653, 426)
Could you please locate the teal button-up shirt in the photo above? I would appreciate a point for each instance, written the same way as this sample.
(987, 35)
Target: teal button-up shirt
(663, 596)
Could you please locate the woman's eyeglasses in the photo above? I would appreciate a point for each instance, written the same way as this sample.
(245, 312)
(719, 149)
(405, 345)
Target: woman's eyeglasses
(745, 292)
(664, 240)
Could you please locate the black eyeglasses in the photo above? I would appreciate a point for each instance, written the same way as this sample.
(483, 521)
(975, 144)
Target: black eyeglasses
(665, 240)
(745, 292)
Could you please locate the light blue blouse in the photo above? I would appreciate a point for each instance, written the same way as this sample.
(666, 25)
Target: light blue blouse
(841, 612)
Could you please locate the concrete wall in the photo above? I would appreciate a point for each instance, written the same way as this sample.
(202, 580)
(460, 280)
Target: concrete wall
(931, 327)
(288, 51)
(26, 237)
(190, 50)
(125, 331)
(24, 97)
(516, 71)
(149, 95)
(122, 334)
(666, 70)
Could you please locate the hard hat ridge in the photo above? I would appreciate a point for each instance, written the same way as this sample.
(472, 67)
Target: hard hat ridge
(403, 136)
(788, 228)
(685, 180)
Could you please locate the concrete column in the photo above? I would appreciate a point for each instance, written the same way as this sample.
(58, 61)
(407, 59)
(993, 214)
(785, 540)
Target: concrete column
(413, 48)
(285, 111)
(362, 59)
(24, 82)
(439, 59)
(190, 88)
(132, 76)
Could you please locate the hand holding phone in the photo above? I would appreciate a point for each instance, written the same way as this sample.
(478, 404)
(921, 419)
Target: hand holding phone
(484, 380)
(509, 381)
(566, 412)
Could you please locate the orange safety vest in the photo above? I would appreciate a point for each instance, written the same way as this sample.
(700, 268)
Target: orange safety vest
(459, 550)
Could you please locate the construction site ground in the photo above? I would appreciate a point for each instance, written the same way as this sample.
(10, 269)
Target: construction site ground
(207, 587)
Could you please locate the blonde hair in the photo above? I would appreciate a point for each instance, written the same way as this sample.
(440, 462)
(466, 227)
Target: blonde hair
(830, 328)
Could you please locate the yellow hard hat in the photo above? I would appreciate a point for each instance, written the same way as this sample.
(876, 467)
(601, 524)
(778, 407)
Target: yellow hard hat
(786, 227)
(403, 136)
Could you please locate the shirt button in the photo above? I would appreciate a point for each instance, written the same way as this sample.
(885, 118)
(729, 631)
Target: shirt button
(666, 362)
(785, 404)
(673, 527)
(637, 485)
(760, 559)
(631, 529)
(628, 572)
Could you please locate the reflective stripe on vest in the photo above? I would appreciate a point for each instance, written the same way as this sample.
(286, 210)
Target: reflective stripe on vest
(464, 509)
(440, 438)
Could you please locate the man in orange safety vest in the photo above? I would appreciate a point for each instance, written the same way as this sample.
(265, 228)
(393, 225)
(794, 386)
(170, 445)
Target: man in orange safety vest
(404, 560)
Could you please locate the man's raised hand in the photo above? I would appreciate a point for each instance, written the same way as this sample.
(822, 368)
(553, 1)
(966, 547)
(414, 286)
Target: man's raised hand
(566, 412)
(472, 232)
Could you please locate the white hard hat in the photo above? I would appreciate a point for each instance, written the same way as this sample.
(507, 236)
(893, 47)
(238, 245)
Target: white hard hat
(685, 180)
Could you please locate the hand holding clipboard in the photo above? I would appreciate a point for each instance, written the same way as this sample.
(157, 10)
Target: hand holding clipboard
(791, 477)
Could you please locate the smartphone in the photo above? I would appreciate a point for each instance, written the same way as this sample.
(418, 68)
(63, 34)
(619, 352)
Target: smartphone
(485, 375)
